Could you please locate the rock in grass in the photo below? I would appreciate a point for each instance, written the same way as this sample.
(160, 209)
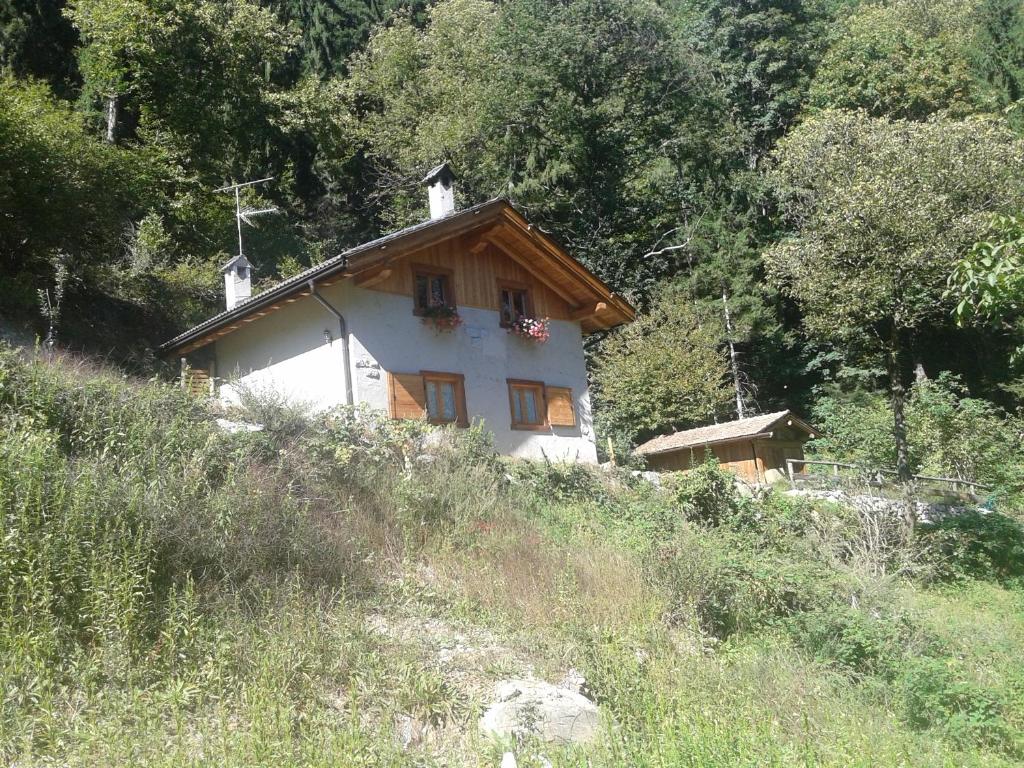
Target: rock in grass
(532, 708)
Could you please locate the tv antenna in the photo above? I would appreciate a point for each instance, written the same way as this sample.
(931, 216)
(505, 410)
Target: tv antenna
(244, 214)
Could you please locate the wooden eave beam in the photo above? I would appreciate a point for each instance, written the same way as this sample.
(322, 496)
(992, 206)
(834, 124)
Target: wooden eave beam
(372, 277)
(589, 311)
(510, 251)
(516, 223)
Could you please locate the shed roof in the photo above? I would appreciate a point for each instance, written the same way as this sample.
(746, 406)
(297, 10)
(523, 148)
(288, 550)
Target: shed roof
(741, 429)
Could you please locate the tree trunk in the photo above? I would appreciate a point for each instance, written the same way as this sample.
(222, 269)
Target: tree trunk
(113, 107)
(898, 398)
(920, 374)
(733, 361)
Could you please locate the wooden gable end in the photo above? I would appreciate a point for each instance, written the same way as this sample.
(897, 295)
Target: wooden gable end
(478, 268)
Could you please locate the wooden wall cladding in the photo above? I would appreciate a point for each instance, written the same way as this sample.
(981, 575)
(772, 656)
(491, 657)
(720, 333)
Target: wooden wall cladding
(736, 457)
(476, 274)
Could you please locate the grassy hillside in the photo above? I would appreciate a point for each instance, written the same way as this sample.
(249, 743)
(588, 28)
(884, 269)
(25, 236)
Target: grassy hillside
(174, 595)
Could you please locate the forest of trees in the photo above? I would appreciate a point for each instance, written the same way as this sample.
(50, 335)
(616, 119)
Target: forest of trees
(818, 198)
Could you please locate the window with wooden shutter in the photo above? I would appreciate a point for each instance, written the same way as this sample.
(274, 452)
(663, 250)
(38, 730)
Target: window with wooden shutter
(440, 398)
(526, 401)
(407, 396)
(561, 408)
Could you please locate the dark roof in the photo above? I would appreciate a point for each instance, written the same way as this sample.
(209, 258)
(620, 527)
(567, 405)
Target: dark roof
(359, 257)
(741, 429)
(438, 170)
(320, 270)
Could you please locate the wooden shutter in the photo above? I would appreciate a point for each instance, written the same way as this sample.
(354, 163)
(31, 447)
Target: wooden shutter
(561, 409)
(406, 396)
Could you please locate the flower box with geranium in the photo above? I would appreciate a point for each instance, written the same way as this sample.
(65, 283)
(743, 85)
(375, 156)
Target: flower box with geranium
(531, 328)
(442, 317)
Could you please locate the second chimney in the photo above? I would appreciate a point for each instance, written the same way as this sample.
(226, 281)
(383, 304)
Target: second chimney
(441, 191)
(237, 281)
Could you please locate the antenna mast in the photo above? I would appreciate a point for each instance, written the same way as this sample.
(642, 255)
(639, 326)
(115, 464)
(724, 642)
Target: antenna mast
(243, 214)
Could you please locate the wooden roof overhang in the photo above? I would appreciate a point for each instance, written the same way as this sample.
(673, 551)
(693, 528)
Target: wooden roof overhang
(495, 223)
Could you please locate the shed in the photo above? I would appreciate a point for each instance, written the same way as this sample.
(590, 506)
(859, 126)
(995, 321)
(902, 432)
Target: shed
(755, 449)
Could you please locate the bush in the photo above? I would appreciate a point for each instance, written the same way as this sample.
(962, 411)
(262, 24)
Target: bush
(930, 696)
(950, 434)
(854, 641)
(723, 582)
(983, 545)
(557, 480)
(706, 494)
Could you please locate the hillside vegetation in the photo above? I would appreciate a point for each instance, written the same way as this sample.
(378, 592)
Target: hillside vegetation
(171, 594)
(818, 196)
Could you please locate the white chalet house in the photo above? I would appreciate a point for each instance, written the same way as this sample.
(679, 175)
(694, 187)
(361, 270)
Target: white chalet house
(422, 324)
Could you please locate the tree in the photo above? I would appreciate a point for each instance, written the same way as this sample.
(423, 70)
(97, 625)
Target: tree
(333, 30)
(60, 190)
(880, 212)
(766, 52)
(196, 74)
(595, 117)
(989, 281)
(905, 59)
(36, 41)
(666, 370)
(996, 54)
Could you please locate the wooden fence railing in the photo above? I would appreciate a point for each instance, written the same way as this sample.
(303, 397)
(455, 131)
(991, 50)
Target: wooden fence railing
(955, 482)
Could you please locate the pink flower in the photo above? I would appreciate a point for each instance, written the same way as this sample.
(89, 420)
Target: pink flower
(532, 328)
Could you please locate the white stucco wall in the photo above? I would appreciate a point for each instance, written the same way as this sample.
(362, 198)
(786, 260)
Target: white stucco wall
(287, 351)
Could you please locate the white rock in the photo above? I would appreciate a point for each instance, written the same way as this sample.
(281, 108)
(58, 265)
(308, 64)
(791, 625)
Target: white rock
(508, 760)
(525, 708)
(238, 426)
(574, 681)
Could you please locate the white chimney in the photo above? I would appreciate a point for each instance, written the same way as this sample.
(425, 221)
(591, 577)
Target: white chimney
(441, 191)
(237, 281)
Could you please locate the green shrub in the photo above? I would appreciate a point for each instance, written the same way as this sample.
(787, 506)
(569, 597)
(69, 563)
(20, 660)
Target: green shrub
(950, 434)
(930, 696)
(557, 480)
(720, 580)
(706, 494)
(983, 545)
(854, 641)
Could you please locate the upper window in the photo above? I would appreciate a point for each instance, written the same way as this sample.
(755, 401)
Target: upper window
(432, 287)
(527, 401)
(514, 302)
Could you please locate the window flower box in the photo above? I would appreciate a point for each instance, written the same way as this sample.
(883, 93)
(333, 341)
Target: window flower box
(533, 329)
(443, 317)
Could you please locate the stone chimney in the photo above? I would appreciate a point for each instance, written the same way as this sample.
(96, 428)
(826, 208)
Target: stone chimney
(237, 281)
(441, 191)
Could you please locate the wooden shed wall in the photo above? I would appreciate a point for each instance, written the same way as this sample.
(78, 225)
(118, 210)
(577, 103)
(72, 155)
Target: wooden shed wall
(736, 457)
(748, 459)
